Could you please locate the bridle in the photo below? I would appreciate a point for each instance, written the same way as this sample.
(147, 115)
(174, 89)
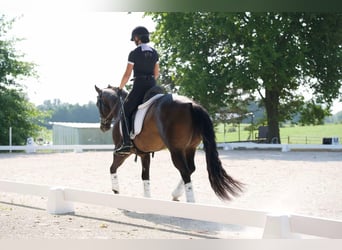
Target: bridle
(108, 119)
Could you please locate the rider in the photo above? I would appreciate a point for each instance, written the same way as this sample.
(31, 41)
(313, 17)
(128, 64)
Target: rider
(144, 62)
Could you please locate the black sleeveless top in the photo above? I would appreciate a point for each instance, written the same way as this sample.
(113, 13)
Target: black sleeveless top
(144, 59)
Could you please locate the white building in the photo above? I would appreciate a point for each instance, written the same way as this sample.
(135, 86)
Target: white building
(69, 133)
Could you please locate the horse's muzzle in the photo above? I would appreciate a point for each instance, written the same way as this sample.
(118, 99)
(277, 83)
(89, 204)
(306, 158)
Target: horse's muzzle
(105, 126)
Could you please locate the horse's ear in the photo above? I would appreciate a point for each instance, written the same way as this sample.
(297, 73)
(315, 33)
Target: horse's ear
(112, 87)
(98, 90)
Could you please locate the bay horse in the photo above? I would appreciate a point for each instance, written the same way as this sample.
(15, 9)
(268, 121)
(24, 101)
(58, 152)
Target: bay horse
(178, 124)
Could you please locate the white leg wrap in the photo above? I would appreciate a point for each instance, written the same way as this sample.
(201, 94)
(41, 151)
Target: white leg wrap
(147, 189)
(178, 191)
(189, 192)
(115, 183)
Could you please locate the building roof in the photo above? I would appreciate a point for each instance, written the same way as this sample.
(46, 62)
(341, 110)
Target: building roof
(77, 124)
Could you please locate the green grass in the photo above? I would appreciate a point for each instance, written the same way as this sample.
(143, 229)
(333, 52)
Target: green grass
(310, 134)
(289, 134)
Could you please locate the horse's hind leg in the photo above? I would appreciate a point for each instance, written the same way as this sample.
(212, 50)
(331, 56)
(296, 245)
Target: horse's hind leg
(179, 190)
(179, 159)
(145, 173)
(189, 192)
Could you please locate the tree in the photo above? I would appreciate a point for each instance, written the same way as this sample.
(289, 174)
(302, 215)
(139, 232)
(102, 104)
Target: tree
(192, 63)
(21, 115)
(65, 112)
(313, 114)
(16, 111)
(221, 59)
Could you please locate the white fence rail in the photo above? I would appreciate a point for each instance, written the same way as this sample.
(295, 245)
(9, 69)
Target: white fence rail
(75, 148)
(225, 146)
(282, 147)
(60, 200)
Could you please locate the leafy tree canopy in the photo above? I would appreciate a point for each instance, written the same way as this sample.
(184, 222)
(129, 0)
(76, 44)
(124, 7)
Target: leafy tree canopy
(16, 111)
(65, 112)
(227, 59)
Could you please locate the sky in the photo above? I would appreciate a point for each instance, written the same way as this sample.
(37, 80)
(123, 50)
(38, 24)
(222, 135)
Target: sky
(75, 50)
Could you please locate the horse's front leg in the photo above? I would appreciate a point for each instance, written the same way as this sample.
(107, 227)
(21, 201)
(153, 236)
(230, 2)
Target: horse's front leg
(145, 173)
(117, 162)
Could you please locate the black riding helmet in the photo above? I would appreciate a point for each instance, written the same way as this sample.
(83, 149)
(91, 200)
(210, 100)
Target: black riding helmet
(142, 33)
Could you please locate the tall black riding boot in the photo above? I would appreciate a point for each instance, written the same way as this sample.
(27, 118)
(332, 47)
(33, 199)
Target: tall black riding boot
(126, 144)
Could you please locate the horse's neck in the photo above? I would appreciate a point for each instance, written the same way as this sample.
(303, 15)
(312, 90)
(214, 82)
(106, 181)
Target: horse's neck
(116, 112)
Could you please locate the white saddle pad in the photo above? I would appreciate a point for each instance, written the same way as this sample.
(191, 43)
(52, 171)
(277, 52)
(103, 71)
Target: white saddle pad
(140, 115)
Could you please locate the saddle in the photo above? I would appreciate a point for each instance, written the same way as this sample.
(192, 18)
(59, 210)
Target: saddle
(138, 116)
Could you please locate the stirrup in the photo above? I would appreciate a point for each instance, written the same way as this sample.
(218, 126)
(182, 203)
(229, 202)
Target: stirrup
(124, 149)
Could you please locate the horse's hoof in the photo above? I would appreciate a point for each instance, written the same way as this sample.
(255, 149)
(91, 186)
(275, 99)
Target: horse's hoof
(175, 199)
(115, 192)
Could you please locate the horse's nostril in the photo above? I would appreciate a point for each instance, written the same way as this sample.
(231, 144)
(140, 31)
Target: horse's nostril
(104, 127)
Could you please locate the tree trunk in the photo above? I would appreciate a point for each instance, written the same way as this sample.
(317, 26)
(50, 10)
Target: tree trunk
(272, 109)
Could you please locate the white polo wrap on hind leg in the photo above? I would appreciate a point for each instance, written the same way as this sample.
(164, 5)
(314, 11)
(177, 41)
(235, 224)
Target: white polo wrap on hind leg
(147, 188)
(115, 182)
(189, 192)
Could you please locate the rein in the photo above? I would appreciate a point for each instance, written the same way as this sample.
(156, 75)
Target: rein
(109, 117)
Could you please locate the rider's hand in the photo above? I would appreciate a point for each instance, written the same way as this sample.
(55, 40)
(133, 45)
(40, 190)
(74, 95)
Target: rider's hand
(119, 92)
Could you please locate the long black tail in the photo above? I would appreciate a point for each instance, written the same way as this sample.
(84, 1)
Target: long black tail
(223, 185)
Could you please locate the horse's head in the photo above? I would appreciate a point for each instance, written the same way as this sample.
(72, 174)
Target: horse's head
(107, 103)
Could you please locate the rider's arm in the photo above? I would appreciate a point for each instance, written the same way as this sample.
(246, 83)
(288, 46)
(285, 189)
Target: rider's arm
(156, 71)
(126, 75)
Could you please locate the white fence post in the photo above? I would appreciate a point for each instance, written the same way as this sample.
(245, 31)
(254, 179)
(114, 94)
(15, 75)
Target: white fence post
(277, 226)
(10, 138)
(56, 202)
(285, 148)
(78, 149)
(30, 145)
